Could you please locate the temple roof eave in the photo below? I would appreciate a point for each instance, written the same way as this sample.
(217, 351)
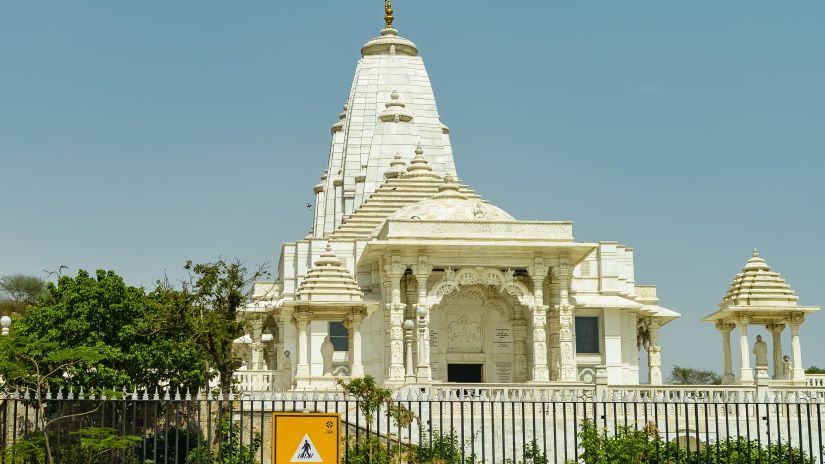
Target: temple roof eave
(448, 247)
(758, 313)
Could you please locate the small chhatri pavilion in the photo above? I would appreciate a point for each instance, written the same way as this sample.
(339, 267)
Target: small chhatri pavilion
(759, 296)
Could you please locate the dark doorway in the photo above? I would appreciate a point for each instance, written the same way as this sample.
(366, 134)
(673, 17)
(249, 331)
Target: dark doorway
(464, 373)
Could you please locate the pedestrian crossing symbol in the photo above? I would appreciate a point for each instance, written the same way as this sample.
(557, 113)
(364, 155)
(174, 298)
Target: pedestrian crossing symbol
(306, 451)
(306, 437)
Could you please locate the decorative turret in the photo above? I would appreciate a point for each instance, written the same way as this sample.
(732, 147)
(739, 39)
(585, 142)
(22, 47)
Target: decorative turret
(329, 281)
(419, 166)
(396, 167)
(395, 110)
(757, 285)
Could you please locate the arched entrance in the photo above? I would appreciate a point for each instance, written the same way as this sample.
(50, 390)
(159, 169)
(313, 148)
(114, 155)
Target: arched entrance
(472, 337)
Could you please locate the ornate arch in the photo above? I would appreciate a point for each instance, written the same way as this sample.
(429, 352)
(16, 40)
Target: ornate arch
(504, 280)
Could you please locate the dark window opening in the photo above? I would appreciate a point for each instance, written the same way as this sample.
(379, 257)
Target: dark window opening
(587, 335)
(339, 336)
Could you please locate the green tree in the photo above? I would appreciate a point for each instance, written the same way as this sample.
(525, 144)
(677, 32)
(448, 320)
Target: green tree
(19, 291)
(371, 398)
(208, 306)
(691, 376)
(30, 365)
(815, 370)
(139, 345)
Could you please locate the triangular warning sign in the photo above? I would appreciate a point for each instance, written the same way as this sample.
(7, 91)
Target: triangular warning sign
(306, 452)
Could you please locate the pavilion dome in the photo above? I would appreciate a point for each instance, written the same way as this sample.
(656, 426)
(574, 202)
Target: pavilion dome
(329, 281)
(757, 285)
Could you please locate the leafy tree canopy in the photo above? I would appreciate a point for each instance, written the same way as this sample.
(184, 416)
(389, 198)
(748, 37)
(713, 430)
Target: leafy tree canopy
(18, 291)
(815, 370)
(691, 376)
(208, 308)
(138, 342)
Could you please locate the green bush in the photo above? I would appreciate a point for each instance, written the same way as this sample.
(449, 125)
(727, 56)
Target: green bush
(632, 446)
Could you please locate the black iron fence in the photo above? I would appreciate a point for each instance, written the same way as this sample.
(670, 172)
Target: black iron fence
(454, 427)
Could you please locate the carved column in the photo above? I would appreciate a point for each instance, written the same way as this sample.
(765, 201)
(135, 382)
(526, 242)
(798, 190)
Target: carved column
(745, 370)
(727, 365)
(302, 320)
(257, 347)
(395, 373)
(797, 372)
(538, 272)
(565, 309)
(356, 349)
(422, 271)
(776, 334)
(654, 353)
(553, 333)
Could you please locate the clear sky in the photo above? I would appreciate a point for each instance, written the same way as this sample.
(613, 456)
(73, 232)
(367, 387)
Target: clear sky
(136, 135)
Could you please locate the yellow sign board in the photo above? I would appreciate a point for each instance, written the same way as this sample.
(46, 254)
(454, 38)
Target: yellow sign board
(306, 437)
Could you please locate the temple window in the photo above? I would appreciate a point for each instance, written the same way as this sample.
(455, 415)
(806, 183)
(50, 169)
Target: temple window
(339, 336)
(587, 334)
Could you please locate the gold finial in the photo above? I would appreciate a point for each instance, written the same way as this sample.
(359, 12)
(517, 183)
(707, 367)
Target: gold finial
(388, 17)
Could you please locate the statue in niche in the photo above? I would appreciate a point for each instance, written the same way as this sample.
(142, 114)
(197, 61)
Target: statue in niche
(760, 350)
(326, 355)
(642, 335)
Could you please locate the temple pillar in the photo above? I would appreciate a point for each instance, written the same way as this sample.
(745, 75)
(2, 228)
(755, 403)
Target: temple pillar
(565, 310)
(654, 353)
(257, 347)
(538, 272)
(423, 371)
(745, 370)
(797, 372)
(553, 333)
(727, 365)
(302, 320)
(354, 326)
(776, 336)
(395, 372)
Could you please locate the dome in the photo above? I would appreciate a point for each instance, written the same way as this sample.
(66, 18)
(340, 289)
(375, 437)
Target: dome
(451, 205)
(389, 43)
(757, 285)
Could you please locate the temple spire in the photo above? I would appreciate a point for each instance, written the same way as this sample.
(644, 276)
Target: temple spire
(388, 17)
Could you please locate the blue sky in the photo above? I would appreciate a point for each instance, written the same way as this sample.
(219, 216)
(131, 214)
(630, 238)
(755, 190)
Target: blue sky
(137, 135)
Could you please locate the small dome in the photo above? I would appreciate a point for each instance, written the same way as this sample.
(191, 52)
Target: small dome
(757, 285)
(450, 205)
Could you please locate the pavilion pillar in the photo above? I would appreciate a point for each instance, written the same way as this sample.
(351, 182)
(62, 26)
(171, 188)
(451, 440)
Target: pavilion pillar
(567, 358)
(727, 365)
(776, 336)
(798, 372)
(423, 370)
(356, 349)
(302, 320)
(538, 272)
(654, 354)
(745, 370)
(257, 348)
(395, 372)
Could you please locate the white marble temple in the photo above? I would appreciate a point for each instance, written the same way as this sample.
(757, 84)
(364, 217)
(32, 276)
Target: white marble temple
(398, 237)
